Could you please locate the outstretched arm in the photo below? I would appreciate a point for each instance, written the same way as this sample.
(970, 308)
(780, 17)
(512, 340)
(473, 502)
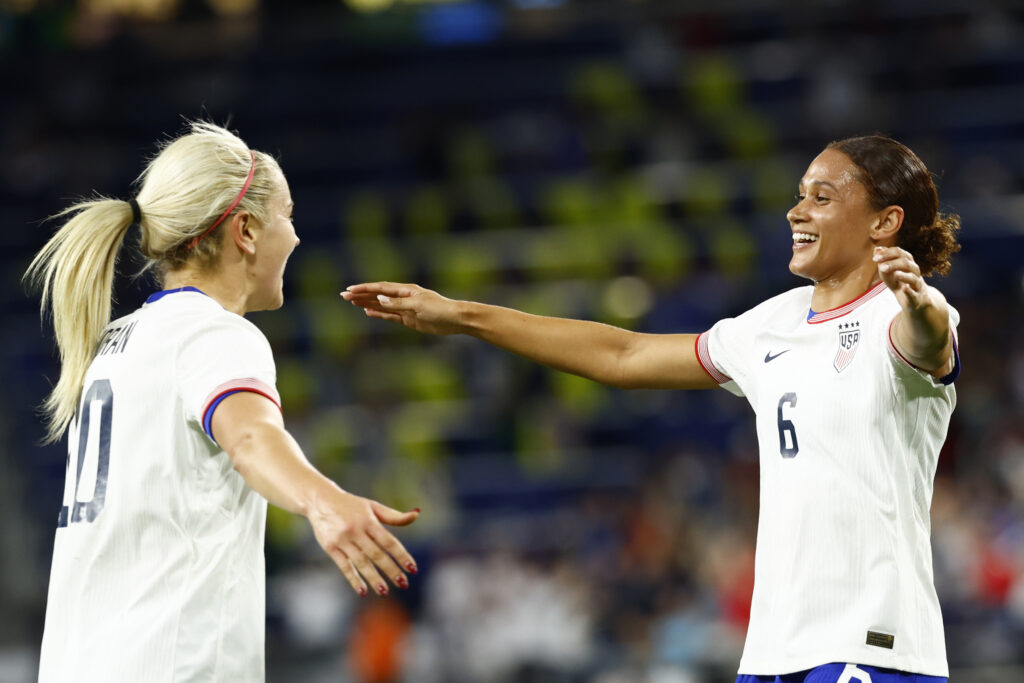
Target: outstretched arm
(349, 528)
(921, 331)
(603, 353)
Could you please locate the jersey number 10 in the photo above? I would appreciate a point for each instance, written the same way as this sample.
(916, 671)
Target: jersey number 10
(98, 405)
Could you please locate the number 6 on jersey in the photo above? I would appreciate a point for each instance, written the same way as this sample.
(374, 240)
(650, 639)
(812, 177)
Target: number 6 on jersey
(787, 431)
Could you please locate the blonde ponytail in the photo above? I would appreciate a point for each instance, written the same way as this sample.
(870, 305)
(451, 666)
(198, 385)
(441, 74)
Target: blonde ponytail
(76, 273)
(192, 181)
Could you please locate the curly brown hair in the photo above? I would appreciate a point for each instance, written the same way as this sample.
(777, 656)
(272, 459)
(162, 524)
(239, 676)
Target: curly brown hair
(894, 175)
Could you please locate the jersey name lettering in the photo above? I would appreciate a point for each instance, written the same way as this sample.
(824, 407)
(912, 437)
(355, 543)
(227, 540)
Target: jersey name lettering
(114, 340)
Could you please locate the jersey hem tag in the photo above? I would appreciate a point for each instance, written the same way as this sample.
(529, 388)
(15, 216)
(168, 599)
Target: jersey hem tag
(880, 639)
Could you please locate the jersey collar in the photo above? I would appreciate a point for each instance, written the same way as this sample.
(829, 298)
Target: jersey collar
(156, 296)
(838, 312)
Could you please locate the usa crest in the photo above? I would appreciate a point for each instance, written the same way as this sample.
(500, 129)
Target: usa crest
(849, 338)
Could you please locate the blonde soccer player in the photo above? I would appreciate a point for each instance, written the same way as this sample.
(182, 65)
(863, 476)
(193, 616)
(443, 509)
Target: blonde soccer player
(175, 433)
(851, 380)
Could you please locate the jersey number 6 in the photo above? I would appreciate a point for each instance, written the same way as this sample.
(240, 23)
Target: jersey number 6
(787, 431)
(87, 511)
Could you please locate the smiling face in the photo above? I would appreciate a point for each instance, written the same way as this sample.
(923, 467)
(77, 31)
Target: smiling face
(832, 221)
(276, 242)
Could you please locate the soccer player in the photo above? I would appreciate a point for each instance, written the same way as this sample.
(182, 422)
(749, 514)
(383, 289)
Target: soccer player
(175, 435)
(851, 380)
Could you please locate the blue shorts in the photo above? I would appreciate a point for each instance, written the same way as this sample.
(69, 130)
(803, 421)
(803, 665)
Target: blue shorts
(844, 673)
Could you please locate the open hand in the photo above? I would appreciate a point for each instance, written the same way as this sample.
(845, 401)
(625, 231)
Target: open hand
(351, 530)
(421, 309)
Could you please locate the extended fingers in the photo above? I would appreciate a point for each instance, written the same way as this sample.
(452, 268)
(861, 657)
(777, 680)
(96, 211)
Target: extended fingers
(383, 315)
(371, 305)
(394, 548)
(360, 298)
(379, 301)
(382, 561)
(385, 288)
(365, 558)
(348, 570)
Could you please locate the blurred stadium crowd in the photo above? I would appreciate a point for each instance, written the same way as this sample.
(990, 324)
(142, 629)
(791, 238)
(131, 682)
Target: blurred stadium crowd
(630, 162)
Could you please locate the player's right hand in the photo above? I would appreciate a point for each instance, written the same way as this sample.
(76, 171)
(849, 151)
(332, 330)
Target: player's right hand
(351, 531)
(421, 309)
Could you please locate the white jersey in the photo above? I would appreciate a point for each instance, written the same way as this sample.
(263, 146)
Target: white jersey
(849, 435)
(158, 569)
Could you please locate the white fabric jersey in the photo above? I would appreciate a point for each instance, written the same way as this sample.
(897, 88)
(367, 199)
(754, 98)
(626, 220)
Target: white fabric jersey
(849, 435)
(158, 569)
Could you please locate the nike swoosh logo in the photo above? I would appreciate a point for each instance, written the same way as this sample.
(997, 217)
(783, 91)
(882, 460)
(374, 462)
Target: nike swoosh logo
(768, 357)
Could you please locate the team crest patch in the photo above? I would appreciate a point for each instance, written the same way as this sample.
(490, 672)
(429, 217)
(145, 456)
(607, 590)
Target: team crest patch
(849, 338)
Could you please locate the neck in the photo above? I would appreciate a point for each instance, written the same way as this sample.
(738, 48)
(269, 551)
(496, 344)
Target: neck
(835, 291)
(227, 291)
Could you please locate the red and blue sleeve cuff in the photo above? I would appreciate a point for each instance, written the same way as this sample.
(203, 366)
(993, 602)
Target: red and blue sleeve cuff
(233, 387)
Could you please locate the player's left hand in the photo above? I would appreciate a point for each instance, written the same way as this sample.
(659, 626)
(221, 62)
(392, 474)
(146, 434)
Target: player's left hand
(351, 531)
(921, 332)
(902, 275)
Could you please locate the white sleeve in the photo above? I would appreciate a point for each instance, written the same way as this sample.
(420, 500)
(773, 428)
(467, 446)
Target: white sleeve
(223, 357)
(905, 367)
(724, 351)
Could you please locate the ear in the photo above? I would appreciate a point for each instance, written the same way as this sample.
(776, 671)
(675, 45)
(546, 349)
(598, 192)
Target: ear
(890, 219)
(242, 230)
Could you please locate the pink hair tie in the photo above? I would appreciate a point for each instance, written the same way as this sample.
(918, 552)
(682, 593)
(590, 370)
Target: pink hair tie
(248, 181)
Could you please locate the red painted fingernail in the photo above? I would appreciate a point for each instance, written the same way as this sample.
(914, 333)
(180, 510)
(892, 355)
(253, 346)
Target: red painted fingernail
(412, 568)
(415, 509)
(362, 592)
(382, 589)
(402, 583)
